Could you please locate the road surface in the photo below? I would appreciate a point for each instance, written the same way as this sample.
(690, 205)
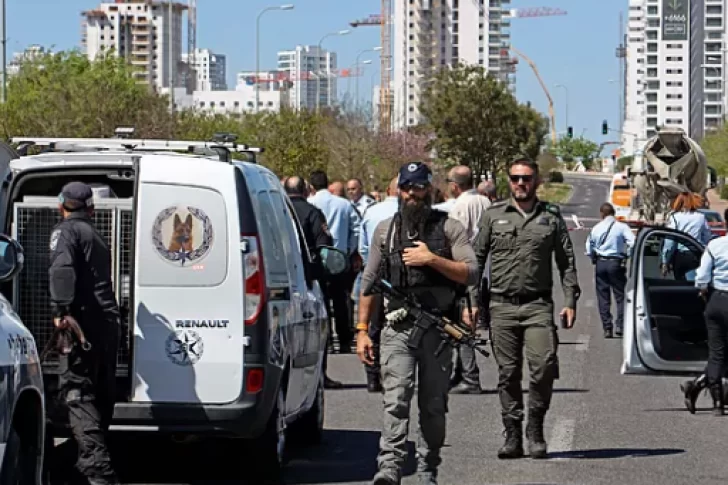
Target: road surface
(603, 428)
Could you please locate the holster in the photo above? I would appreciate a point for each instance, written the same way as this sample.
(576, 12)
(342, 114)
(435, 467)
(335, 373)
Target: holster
(64, 340)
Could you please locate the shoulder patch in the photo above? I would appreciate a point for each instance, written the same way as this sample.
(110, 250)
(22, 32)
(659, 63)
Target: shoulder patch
(55, 235)
(554, 209)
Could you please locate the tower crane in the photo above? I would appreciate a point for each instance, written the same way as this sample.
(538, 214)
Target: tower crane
(545, 90)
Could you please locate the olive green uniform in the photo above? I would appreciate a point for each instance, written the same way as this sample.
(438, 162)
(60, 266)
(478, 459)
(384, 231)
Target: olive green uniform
(521, 305)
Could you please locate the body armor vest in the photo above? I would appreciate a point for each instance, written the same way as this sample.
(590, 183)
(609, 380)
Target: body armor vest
(431, 287)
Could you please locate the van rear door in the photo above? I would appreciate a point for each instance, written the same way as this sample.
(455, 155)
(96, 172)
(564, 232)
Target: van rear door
(188, 293)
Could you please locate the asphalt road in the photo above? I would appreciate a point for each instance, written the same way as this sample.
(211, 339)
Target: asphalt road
(603, 428)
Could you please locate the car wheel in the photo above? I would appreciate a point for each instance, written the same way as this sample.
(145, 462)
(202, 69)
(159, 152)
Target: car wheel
(309, 428)
(16, 468)
(270, 449)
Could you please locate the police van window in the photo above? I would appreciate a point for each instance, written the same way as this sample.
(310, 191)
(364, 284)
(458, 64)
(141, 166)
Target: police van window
(287, 231)
(182, 235)
(271, 239)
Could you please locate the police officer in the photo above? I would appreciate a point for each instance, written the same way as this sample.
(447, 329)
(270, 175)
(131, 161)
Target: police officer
(608, 245)
(685, 218)
(521, 235)
(81, 289)
(423, 252)
(712, 280)
(316, 233)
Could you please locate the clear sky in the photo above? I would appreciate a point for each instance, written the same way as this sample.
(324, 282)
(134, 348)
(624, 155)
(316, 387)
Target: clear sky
(576, 50)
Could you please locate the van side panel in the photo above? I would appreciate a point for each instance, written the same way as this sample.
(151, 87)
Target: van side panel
(188, 285)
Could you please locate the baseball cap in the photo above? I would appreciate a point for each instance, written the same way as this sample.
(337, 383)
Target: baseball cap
(76, 195)
(414, 173)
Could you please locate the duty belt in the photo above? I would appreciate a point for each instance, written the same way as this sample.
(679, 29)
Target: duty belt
(519, 299)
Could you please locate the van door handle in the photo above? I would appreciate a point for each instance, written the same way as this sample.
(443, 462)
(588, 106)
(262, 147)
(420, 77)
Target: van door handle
(307, 315)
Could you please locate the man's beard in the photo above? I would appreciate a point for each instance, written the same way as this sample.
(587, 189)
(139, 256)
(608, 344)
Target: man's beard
(527, 197)
(415, 213)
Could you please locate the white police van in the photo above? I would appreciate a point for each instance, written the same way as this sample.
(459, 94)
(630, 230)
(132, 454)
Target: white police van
(664, 326)
(225, 324)
(22, 422)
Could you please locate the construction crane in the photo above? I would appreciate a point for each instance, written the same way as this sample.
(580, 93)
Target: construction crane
(536, 12)
(545, 90)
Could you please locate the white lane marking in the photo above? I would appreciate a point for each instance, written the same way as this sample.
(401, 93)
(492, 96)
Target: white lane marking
(562, 437)
(582, 343)
(589, 303)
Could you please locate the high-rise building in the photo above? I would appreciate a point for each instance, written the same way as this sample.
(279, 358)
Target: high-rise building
(431, 34)
(139, 30)
(210, 69)
(307, 67)
(675, 68)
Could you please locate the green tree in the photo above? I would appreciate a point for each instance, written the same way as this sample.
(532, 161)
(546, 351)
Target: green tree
(66, 95)
(475, 119)
(547, 163)
(715, 146)
(571, 149)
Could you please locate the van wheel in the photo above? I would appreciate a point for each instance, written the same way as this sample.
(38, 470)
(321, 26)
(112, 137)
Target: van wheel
(18, 463)
(309, 428)
(270, 449)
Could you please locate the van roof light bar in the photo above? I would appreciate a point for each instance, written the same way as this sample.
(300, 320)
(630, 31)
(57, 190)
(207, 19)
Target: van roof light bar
(218, 147)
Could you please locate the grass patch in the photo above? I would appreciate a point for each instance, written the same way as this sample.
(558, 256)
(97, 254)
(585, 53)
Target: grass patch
(554, 193)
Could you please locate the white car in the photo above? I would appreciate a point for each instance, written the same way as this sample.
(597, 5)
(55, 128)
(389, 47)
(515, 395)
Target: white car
(664, 327)
(22, 405)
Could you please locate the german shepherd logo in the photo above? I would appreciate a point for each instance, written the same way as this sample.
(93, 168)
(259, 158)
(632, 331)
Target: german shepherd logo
(181, 239)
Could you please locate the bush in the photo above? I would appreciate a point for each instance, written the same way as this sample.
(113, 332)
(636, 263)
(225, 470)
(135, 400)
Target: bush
(724, 192)
(556, 177)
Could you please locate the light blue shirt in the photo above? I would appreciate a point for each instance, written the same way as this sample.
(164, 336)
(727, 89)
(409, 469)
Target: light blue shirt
(713, 268)
(691, 223)
(342, 219)
(617, 244)
(372, 217)
(363, 204)
(445, 206)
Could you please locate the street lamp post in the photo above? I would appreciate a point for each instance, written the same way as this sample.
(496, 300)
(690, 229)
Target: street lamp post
(257, 49)
(328, 68)
(566, 117)
(356, 67)
(3, 52)
(375, 49)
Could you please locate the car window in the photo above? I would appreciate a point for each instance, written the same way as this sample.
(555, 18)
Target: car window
(670, 257)
(713, 217)
(271, 239)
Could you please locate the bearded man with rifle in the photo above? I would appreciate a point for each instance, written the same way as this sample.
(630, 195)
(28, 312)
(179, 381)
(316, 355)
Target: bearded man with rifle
(426, 255)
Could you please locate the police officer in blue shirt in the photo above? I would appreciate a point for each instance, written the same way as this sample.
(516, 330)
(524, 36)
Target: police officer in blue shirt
(712, 280)
(685, 218)
(608, 246)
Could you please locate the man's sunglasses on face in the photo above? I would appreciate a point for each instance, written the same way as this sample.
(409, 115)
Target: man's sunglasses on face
(410, 187)
(517, 178)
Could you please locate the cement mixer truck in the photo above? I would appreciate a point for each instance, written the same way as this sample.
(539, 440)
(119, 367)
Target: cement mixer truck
(670, 163)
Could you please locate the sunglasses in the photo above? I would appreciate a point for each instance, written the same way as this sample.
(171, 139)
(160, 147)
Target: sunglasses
(517, 178)
(409, 187)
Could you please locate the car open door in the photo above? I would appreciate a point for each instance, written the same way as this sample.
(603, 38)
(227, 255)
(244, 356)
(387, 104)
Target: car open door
(664, 330)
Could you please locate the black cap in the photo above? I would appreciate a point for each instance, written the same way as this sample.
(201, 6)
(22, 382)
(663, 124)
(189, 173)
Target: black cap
(76, 195)
(414, 173)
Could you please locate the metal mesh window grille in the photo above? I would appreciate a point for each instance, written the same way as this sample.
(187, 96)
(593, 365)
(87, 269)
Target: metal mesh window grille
(32, 228)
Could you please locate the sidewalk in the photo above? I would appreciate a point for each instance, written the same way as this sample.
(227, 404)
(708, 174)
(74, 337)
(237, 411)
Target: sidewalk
(716, 203)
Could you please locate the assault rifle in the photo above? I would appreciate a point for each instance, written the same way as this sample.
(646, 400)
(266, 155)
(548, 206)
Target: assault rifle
(451, 333)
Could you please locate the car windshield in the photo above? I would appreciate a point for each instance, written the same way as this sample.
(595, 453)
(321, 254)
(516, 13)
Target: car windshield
(713, 218)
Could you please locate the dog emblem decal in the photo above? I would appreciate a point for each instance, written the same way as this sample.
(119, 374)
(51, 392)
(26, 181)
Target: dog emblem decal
(182, 234)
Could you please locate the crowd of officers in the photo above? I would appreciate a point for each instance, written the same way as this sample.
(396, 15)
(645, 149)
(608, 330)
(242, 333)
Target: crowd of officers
(468, 256)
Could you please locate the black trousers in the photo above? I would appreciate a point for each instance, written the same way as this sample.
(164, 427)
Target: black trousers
(683, 262)
(716, 320)
(339, 294)
(611, 277)
(375, 333)
(88, 385)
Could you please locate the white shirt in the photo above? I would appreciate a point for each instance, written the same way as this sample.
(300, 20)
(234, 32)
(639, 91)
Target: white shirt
(467, 209)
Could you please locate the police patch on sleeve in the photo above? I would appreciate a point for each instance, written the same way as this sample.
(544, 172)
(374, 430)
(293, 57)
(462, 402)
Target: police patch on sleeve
(54, 239)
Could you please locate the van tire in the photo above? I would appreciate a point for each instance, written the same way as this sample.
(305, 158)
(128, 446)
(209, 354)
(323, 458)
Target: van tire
(18, 467)
(309, 428)
(269, 450)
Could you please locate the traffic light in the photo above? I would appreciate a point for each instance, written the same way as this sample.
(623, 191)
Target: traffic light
(570, 132)
(605, 128)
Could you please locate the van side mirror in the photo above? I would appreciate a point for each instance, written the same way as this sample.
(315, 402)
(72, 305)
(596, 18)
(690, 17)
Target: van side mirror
(11, 258)
(333, 261)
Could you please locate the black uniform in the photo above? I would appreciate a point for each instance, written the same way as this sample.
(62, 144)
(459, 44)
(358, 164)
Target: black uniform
(80, 287)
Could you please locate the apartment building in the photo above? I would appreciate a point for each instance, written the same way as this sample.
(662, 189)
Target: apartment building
(431, 34)
(147, 32)
(312, 72)
(210, 69)
(675, 68)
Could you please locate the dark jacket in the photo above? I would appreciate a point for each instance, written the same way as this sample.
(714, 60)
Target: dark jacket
(313, 224)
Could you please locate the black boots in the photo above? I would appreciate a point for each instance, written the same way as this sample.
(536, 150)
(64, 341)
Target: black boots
(513, 447)
(716, 392)
(692, 389)
(534, 434)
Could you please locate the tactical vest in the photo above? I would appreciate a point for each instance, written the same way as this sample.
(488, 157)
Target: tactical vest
(431, 287)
